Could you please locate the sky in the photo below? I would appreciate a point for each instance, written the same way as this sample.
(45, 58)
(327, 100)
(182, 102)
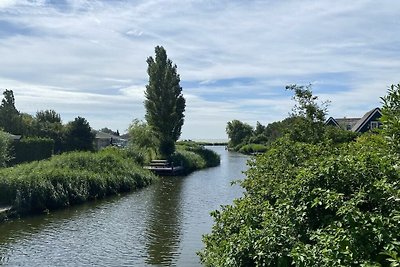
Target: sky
(88, 57)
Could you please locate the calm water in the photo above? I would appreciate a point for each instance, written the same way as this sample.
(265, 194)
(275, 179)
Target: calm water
(160, 225)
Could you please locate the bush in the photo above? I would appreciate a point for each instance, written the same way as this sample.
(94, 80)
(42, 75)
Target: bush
(312, 205)
(189, 160)
(211, 158)
(253, 148)
(31, 149)
(69, 179)
(4, 149)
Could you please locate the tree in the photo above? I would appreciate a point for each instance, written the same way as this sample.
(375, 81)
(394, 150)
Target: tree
(4, 149)
(307, 106)
(79, 135)
(164, 102)
(10, 119)
(142, 139)
(48, 116)
(391, 117)
(109, 131)
(238, 132)
(49, 124)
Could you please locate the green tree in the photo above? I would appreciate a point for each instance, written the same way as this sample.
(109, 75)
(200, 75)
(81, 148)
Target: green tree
(10, 119)
(109, 131)
(307, 105)
(4, 149)
(143, 139)
(164, 102)
(48, 116)
(238, 132)
(49, 124)
(29, 125)
(79, 135)
(391, 117)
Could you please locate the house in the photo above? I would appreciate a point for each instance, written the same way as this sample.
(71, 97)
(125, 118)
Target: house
(14, 138)
(369, 121)
(103, 140)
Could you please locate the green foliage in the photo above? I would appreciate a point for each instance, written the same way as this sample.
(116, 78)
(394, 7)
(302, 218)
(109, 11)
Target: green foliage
(193, 156)
(211, 158)
(253, 148)
(391, 117)
(238, 132)
(4, 149)
(312, 205)
(191, 161)
(164, 102)
(10, 119)
(69, 179)
(31, 149)
(79, 136)
(307, 105)
(337, 135)
(143, 140)
(49, 125)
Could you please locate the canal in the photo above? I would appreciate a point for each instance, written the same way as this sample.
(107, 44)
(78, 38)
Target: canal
(160, 225)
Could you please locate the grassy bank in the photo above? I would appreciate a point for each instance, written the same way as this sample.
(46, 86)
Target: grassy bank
(70, 179)
(194, 156)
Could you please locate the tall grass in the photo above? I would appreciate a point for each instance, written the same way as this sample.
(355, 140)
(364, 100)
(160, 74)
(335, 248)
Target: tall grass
(70, 179)
(194, 156)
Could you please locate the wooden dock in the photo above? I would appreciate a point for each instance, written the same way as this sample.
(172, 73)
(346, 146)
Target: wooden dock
(163, 167)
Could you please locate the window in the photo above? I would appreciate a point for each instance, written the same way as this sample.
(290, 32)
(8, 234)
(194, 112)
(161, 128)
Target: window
(348, 127)
(374, 124)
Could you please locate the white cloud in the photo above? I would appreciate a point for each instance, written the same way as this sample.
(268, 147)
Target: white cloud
(89, 57)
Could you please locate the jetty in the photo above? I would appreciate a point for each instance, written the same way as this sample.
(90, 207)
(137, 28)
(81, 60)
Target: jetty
(164, 167)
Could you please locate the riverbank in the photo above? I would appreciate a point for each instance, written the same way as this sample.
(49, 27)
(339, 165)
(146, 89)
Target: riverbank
(69, 179)
(77, 177)
(193, 156)
(159, 225)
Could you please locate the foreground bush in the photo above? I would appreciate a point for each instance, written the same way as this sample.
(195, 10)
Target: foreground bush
(69, 179)
(313, 205)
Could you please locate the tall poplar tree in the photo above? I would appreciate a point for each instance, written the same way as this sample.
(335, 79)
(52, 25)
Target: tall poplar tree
(164, 102)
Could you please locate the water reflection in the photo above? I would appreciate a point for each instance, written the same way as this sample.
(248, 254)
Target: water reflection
(164, 223)
(158, 225)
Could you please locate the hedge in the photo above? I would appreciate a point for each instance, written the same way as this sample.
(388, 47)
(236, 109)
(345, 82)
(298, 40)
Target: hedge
(31, 149)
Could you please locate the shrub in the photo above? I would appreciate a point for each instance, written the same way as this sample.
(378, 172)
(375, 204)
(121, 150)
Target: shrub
(31, 149)
(253, 148)
(69, 179)
(189, 160)
(312, 205)
(4, 149)
(211, 158)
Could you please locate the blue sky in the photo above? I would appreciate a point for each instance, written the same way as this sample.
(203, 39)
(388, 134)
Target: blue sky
(88, 57)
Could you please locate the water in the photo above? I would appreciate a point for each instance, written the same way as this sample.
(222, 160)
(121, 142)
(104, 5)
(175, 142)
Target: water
(160, 225)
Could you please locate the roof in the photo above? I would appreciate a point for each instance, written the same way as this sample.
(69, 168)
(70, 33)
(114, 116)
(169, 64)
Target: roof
(102, 135)
(365, 119)
(343, 122)
(14, 137)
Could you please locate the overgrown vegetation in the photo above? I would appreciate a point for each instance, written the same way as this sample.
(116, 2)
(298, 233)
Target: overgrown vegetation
(4, 149)
(305, 124)
(46, 124)
(69, 179)
(194, 156)
(319, 202)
